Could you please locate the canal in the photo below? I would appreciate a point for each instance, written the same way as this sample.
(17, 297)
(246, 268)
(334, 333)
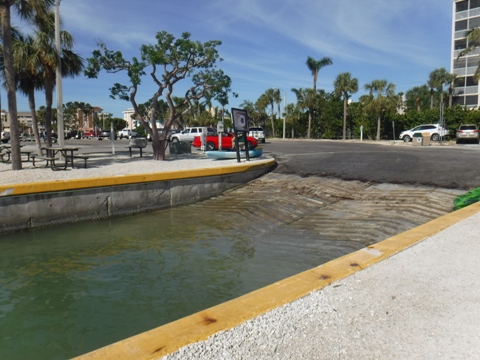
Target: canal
(70, 289)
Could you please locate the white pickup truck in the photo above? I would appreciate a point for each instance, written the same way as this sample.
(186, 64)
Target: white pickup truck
(189, 133)
(126, 133)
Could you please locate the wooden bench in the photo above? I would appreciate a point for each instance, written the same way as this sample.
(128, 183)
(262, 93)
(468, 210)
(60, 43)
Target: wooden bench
(83, 157)
(5, 156)
(48, 159)
(130, 147)
(28, 154)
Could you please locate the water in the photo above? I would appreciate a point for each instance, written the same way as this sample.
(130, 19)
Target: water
(71, 289)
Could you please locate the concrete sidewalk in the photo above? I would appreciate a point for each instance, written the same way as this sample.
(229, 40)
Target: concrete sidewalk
(414, 295)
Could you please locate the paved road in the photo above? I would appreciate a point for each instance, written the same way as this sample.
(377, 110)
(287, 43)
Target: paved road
(448, 166)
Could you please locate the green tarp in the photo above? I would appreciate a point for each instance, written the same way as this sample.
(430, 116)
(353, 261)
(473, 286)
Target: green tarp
(466, 199)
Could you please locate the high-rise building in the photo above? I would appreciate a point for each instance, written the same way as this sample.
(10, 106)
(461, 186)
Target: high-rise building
(466, 16)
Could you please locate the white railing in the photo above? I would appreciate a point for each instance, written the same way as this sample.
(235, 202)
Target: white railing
(474, 12)
(471, 90)
(461, 15)
(460, 34)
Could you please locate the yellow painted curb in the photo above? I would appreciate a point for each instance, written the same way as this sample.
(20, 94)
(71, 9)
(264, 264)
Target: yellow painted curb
(75, 184)
(171, 337)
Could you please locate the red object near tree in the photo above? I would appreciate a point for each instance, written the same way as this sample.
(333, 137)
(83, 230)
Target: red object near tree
(227, 139)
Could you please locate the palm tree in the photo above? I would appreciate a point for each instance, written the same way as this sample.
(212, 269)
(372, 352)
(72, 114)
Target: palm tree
(25, 9)
(473, 40)
(345, 85)
(28, 77)
(385, 100)
(277, 98)
(307, 99)
(269, 98)
(315, 65)
(438, 78)
(71, 63)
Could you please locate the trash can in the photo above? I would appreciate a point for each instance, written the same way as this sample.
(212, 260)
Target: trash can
(417, 139)
(180, 147)
(425, 139)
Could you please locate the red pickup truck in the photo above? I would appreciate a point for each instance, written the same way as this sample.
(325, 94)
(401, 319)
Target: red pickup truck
(227, 139)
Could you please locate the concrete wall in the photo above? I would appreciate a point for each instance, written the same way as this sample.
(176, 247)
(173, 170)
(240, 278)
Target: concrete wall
(23, 209)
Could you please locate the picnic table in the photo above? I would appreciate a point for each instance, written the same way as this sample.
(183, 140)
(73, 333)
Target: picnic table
(6, 150)
(59, 157)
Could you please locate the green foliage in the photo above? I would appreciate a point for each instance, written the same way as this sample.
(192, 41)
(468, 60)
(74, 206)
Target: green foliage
(168, 61)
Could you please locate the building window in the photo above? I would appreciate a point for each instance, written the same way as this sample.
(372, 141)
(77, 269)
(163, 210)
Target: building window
(461, 6)
(471, 100)
(460, 63)
(461, 25)
(470, 81)
(474, 4)
(472, 61)
(460, 44)
(474, 22)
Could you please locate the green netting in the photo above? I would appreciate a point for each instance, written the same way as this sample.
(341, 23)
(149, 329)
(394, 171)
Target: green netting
(466, 199)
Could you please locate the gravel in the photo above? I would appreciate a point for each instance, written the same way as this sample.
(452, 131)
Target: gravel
(419, 304)
(102, 164)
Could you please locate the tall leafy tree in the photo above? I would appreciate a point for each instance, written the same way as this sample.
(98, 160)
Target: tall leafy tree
(382, 99)
(344, 86)
(438, 78)
(315, 66)
(28, 77)
(270, 97)
(307, 99)
(26, 9)
(169, 61)
(70, 62)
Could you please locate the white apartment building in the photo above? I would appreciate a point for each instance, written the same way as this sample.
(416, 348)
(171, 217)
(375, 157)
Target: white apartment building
(466, 15)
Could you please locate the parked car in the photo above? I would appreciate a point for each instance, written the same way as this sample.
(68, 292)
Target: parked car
(54, 137)
(467, 132)
(88, 135)
(257, 133)
(105, 134)
(189, 133)
(433, 130)
(27, 137)
(126, 133)
(149, 138)
(227, 140)
(5, 136)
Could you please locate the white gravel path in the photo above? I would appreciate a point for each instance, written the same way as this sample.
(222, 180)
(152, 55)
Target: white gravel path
(422, 303)
(99, 165)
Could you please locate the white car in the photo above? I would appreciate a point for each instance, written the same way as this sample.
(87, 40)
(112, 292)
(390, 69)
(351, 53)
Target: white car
(189, 133)
(257, 133)
(126, 133)
(433, 130)
(5, 136)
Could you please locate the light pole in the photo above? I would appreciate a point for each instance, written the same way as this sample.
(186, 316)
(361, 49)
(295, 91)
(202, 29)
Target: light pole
(284, 108)
(60, 127)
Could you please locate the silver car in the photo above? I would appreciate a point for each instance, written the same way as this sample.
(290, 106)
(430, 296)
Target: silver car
(467, 132)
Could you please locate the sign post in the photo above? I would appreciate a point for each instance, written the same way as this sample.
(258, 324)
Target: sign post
(240, 124)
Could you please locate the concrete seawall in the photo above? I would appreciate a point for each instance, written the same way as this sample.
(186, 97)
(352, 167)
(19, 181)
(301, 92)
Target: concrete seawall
(47, 203)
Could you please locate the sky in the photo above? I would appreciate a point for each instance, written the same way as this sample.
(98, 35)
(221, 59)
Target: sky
(265, 43)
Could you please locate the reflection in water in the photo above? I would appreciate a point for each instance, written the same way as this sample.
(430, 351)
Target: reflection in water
(71, 289)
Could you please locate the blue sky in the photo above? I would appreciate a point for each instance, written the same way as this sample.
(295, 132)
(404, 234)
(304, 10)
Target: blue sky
(265, 43)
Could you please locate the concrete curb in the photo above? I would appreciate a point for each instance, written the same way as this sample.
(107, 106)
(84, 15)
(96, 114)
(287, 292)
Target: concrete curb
(53, 202)
(197, 327)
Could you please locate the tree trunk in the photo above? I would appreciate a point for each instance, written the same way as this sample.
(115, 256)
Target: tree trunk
(159, 148)
(31, 103)
(309, 123)
(379, 122)
(48, 106)
(10, 84)
(273, 126)
(344, 118)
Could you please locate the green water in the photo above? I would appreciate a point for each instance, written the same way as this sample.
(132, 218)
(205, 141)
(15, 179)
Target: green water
(73, 288)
